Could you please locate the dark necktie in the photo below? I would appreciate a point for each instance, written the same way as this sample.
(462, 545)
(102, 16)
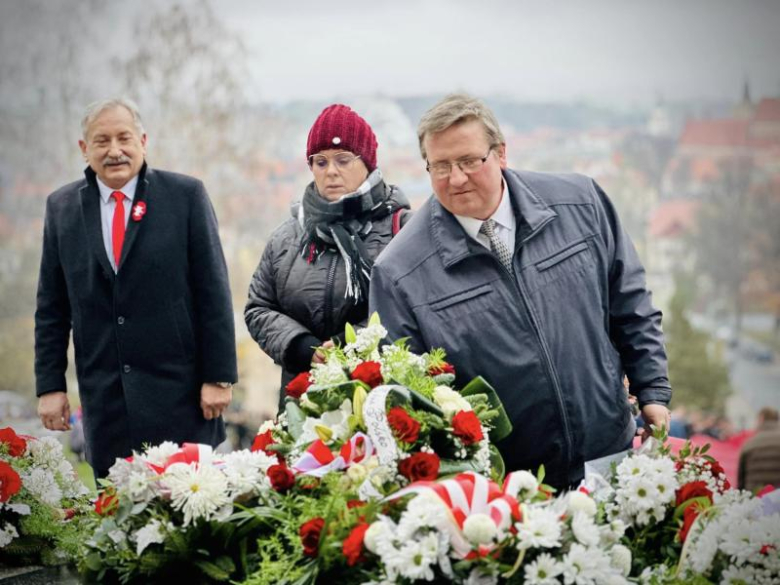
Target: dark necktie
(497, 245)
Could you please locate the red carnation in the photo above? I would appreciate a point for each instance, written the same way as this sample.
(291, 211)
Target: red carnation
(466, 426)
(353, 545)
(420, 467)
(368, 372)
(262, 441)
(10, 482)
(355, 504)
(298, 385)
(107, 502)
(444, 368)
(404, 427)
(16, 445)
(310, 535)
(689, 515)
(282, 478)
(693, 489)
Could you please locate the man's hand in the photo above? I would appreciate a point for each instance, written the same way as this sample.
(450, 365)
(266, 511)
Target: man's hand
(657, 415)
(214, 400)
(319, 356)
(54, 411)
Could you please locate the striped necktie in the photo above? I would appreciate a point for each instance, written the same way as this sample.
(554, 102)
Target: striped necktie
(497, 246)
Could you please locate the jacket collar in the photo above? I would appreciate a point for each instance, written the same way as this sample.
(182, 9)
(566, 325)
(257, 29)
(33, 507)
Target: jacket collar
(454, 245)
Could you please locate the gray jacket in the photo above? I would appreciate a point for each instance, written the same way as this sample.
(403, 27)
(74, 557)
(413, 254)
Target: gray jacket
(556, 339)
(290, 298)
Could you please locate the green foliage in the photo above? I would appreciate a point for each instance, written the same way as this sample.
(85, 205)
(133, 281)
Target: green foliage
(700, 379)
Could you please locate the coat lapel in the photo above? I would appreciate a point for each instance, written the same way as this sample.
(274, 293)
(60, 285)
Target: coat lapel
(90, 210)
(133, 226)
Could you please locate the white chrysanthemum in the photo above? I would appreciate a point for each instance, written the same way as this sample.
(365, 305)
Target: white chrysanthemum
(544, 570)
(7, 534)
(143, 485)
(159, 454)
(419, 557)
(540, 528)
(526, 482)
(152, 533)
(69, 481)
(246, 472)
(425, 510)
(479, 529)
(621, 559)
(578, 501)
(589, 565)
(450, 401)
(41, 482)
(378, 532)
(198, 490)
(585, 529)
(45, 451)
(477, 577)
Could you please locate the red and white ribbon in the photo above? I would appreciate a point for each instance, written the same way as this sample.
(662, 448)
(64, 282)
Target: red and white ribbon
(188, 454)
(466, 494)
(318, 459)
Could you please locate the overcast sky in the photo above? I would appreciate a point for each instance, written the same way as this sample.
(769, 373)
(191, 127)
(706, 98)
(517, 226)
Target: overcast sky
(618, 51)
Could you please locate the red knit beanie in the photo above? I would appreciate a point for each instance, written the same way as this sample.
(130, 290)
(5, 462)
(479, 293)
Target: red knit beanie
(339, 127)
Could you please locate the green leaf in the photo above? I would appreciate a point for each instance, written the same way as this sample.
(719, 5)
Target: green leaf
(212, 570)
(497, 463)
(374, 319)
(502, 426)
(295, 419)
(421, 402)
(453, 467)
(349, 334)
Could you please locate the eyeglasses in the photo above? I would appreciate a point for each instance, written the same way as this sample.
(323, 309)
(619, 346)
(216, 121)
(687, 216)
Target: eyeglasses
(442, 170)
(342, 160)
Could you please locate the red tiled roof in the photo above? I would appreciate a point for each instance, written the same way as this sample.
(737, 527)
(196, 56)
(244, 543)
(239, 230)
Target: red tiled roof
(715, 133)
(673, 218)
(768, 110)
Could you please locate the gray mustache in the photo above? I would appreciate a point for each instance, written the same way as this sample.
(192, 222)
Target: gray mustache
(116, 160)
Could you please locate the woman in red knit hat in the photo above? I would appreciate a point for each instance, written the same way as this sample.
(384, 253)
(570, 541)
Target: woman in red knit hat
(314, 273)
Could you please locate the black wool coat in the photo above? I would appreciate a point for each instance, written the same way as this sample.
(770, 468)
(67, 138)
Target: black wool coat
(147, 337)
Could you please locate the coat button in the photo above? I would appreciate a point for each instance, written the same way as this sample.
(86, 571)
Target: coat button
(121, 320)
(126, 369)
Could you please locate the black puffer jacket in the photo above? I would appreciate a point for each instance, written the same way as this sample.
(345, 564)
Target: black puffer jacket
(294, 305)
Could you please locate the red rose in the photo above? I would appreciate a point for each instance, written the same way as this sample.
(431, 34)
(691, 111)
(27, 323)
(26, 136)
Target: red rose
(107, 503)
(420, 467)
(310, 535)
(368, 372)
(693, 489)
(262, 441)
(10, 482)
(298, 385)
(353, 545)
(466, 426)
(404, 427)
(16, 445)
(689, 515)
(445, 368)
(282, 478)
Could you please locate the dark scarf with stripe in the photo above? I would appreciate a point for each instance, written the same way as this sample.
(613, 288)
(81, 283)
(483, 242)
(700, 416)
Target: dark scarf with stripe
(343, 224)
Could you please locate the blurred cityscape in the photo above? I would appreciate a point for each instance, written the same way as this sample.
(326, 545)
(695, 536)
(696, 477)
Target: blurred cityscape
(696, 183)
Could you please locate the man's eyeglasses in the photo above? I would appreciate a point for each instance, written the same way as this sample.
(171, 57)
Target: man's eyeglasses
(342, 160)
(442, 170)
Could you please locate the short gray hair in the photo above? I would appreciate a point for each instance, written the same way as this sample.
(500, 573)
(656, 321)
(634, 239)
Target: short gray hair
(455, 109)
(96, 108)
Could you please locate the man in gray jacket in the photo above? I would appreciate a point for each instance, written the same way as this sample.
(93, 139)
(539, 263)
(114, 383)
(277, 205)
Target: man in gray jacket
(528, 280)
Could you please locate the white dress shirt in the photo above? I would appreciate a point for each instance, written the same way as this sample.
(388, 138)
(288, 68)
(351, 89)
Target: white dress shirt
(506, 223)
(107, 205)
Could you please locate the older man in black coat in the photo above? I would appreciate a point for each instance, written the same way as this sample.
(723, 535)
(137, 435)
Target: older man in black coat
(132, 263)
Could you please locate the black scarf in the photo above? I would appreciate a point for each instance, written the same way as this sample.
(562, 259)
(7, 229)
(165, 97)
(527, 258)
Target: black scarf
(343, 224)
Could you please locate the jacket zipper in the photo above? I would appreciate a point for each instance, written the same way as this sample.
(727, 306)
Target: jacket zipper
(520, 290)
(331, 279)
